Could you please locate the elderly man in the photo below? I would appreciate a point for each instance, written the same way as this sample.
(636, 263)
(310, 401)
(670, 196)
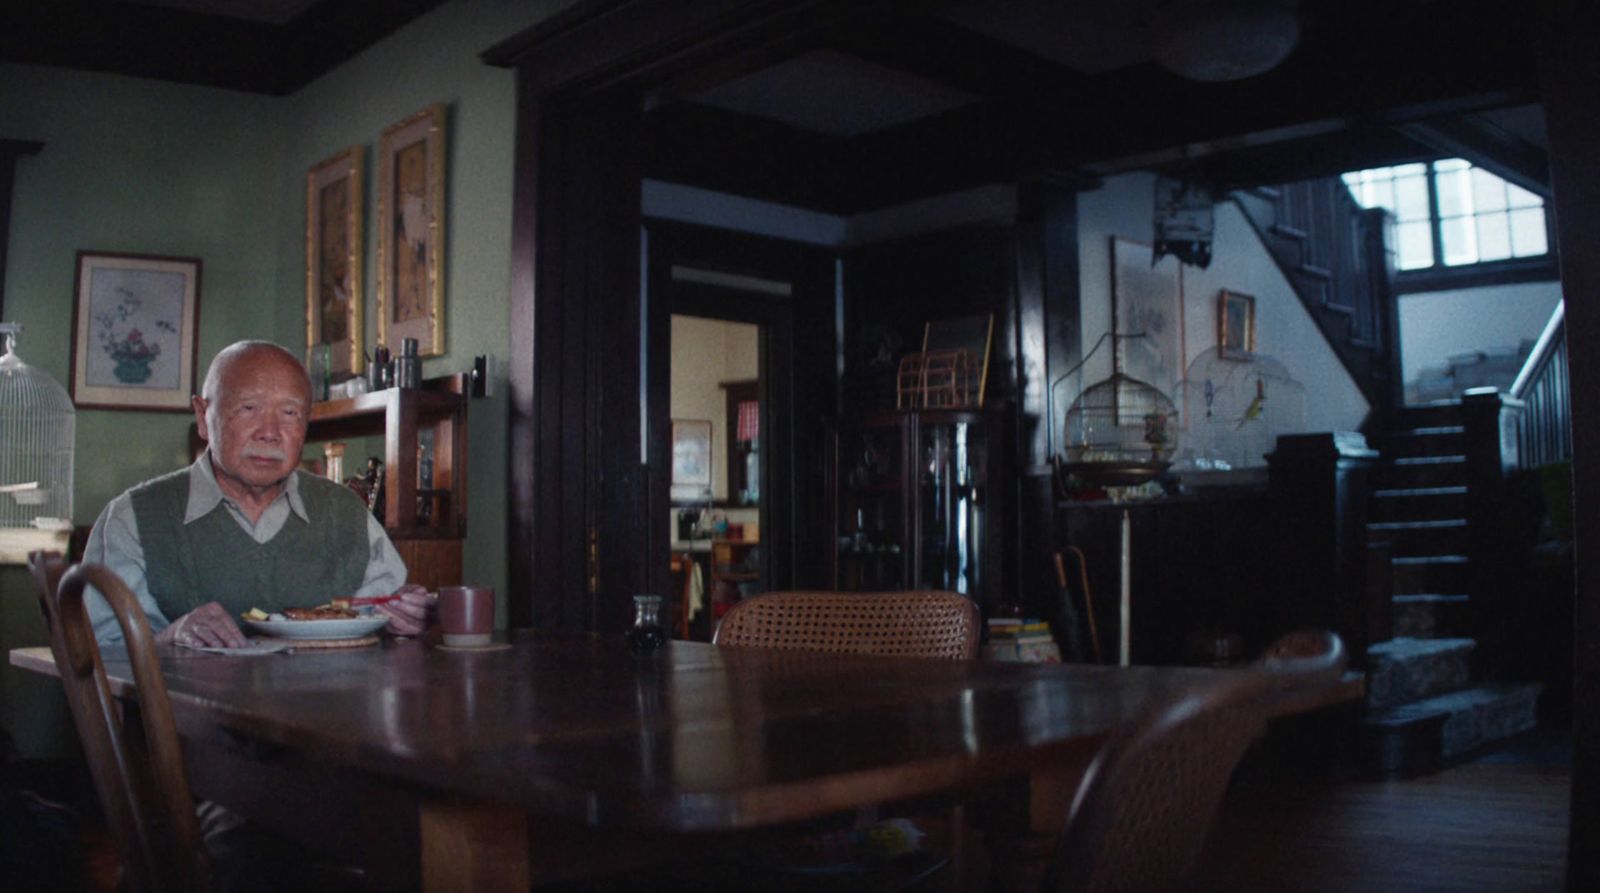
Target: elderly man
(242, 527)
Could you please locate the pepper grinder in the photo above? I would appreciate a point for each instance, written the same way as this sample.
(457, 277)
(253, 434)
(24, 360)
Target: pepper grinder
(408, 366)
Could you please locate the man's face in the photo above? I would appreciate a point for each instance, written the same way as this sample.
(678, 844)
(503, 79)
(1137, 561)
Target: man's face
(256, 422)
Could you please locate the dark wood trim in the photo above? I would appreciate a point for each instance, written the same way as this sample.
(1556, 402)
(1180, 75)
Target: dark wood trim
(797, 386)
(1569, 71)
(10, 151)
(1546, 268)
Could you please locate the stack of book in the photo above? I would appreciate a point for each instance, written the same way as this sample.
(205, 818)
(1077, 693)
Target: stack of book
(1021, 640)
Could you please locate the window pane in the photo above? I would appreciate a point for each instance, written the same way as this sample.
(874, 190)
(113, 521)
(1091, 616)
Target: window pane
(1494, 237)
(1522, 198)
(1413, 245)
(1380, 194)
(1455, 196)
(1450, 164)
(1528, 238)
(1488, 191)
(1411, 197)
(1459, 241)
(1409, 170)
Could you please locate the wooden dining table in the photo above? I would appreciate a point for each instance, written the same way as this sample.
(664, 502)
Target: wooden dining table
(556, 756)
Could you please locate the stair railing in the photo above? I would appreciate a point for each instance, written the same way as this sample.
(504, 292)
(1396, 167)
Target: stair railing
(1544, 431)
(1335, 255)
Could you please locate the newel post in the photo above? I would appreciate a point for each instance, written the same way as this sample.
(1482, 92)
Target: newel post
(1319, 485)
(1489, 421)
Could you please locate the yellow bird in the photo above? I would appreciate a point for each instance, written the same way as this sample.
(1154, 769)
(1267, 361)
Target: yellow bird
(1253, 411)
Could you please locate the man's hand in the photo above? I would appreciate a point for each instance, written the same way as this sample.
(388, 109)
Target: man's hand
(409, 612)
(208, 626)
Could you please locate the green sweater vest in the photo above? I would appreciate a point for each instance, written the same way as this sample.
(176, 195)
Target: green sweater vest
(214, 559)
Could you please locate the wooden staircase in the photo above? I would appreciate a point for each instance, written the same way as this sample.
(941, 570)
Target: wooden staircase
(1335, 255)
(1423, 706)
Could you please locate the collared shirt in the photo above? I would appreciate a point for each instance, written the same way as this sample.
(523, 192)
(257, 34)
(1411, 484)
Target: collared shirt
(114, 542)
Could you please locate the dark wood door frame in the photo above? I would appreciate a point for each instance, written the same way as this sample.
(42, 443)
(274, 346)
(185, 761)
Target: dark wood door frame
(584, 467)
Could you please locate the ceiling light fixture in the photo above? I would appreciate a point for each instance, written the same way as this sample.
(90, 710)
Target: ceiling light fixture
(1228, 40)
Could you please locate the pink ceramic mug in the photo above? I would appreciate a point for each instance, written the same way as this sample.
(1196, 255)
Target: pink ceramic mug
(466, 615)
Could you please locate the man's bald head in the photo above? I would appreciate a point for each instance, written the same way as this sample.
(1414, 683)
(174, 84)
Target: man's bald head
(252, 412)
(249, 353)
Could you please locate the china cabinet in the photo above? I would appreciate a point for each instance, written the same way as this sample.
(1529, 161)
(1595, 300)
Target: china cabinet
(912, 503)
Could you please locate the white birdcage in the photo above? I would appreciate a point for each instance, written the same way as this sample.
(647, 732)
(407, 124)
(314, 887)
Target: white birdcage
(36, 440)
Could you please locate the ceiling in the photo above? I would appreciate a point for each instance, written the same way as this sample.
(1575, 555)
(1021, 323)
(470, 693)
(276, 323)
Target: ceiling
(903, 98)
(259, 46)
(970, 91)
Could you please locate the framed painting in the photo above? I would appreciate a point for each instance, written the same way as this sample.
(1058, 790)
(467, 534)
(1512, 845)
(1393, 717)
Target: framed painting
(691, 459)
(135, 319)
(1236, 325)
(1147, 301)
(411, 232)
(334, 203)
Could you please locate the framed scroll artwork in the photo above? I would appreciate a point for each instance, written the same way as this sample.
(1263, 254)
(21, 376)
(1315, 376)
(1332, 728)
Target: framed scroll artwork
(411, 203)
(335, 197)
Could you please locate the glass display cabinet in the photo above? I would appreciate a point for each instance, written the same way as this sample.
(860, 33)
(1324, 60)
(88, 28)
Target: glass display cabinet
(911, 494)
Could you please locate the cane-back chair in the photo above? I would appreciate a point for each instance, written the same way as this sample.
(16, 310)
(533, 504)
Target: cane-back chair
(924, 623)
(1140, 817)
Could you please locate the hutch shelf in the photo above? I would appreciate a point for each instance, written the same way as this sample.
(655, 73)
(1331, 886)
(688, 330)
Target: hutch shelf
(426, 519)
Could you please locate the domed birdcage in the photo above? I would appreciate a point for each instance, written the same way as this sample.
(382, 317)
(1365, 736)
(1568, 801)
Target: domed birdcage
(37, 422)
(1120, 431)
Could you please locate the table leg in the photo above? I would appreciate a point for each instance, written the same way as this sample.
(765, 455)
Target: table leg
(473, 847)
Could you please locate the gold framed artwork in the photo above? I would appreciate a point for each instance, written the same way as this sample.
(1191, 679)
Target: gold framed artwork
(1236, 325)
(135, 317)
(335, 199)
(411, 204)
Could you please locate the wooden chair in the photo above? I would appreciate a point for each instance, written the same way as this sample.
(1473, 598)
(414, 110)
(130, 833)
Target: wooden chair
(137, 767)
(923, 623)
(1139, 819)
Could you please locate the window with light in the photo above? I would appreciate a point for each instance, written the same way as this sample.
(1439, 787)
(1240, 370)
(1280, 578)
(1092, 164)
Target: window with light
(1449, 213)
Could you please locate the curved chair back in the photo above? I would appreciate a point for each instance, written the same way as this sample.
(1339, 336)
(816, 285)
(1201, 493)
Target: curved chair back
(137, 765)
(1140, 817)
(1309, 656)
(923, 623)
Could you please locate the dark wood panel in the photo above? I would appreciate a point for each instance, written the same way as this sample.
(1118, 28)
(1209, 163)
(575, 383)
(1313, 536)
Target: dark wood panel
(1570, 69)
(10, 152)
(432, 562)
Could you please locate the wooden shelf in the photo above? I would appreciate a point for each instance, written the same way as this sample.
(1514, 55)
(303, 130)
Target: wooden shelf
(431, 545)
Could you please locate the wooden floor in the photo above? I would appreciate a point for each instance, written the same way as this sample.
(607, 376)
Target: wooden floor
(1498, 823)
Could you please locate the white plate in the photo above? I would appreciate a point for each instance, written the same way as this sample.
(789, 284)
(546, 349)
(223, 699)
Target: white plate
(354, 628)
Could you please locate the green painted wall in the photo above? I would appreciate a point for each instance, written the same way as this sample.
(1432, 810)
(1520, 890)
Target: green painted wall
(149, 167)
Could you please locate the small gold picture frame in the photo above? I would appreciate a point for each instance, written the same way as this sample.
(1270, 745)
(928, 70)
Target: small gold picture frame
(411, 203)
(1236, 325)
(335, 256)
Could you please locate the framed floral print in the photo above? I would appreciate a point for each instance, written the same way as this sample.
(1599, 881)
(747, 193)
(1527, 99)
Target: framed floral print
(411, 232)
(334, 297)
(135, 319)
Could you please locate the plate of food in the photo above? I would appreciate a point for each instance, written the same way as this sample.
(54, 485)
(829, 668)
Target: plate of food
(330, 621)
